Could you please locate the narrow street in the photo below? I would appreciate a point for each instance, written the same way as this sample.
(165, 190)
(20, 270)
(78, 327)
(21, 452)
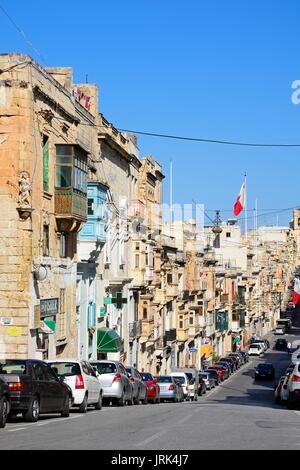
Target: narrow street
(239, 414)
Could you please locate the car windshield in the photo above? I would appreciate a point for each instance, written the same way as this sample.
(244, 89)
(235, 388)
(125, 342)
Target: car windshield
(165, 380)
(146, 377)
(105, 367)
(180, 378)
(66, 369)
(190, 376)
(204, 376)
(254, 346)
(264, 367)
(13, 367)
(128, 370)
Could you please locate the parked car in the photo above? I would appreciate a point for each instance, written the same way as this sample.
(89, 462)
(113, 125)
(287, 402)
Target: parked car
(281, 344)
(239, 356)
(284, 390)
(226, 366)
(220, 370)
(287, 322)
(296, 356)
(265, 345)
(280, 330)
(293, 387)
(183, 379)
(245, 356)
(153, 389)
(265, 370)
(192, 388)
(277, 390)
(290, 368)
(214, 374)
(208, 380)
(201, 387)
(230, 361)
(4, 402)
(169, 389)
(34, 389)
(114, 381)
(139, 387)
(82, 380)
(255, 349)
(235, 361)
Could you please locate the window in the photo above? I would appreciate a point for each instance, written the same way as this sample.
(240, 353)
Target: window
(181, 322)
(63, 248)
(90, 206)
(145, 313)
(49, 375)
(137, 261)
(64, 163)
(137, 246)
(228, 234)
(169, 278)
(38, 371)
(46, 163)
(191, 320)
(68, 156)
(62, 314)
(46, 240)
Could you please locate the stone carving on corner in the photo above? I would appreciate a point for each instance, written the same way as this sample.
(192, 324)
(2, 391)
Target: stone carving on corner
(24, 208)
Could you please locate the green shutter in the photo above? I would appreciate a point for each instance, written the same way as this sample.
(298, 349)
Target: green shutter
(46, 164)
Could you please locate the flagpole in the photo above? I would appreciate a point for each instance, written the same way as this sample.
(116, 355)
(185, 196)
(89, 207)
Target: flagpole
(246, 212)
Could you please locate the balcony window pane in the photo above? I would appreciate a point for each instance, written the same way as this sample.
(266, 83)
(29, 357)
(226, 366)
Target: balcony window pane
(64, 150)
(64, 159)
(63, 176)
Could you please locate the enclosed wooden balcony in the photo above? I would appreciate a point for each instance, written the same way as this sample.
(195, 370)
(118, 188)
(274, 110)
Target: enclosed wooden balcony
(70, 209)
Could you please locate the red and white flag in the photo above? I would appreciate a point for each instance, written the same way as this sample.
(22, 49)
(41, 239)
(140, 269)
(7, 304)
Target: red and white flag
(296, 295)
(240, 204)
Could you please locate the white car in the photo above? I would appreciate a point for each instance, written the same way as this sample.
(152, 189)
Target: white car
(280, 330)
(256, 349)
(296, 356)
(82, 379)
(183, 379)
(293, 387)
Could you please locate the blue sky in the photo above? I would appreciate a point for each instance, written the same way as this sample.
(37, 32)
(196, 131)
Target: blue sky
(211, 69)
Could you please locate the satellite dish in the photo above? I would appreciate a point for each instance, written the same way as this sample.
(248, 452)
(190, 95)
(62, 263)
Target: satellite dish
(40, 273)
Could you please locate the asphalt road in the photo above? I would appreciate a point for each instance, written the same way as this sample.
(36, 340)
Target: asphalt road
(239, 414)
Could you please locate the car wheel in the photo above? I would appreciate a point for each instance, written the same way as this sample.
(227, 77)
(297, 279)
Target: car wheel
(121, 401)
(130, 402)
(66, 411)
(137, 398)
(33, 412)
(84, 405)
(290, 405)
(277, 401)
(3, 411)
(145, 400)
(98, 405)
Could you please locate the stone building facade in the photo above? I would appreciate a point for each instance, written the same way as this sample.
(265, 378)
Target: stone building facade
(47, 142)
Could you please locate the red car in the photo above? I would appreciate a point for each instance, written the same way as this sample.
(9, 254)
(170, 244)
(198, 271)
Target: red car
(221, 371)
(153, 389)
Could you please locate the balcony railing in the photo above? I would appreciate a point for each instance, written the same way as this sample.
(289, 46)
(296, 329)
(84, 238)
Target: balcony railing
(70, 207)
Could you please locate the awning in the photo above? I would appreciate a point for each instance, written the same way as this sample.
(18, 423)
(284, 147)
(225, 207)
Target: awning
(108, 341)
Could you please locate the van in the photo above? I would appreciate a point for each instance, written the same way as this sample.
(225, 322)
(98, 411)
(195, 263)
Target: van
(256, 349)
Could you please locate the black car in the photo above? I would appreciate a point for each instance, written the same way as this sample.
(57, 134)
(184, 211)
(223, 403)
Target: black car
(281, 344)
(4, 402)
(34, 389)
(229, 361)
(201, 387)
(236, 360)
(245, 356)
(214, 374)
(264, 371)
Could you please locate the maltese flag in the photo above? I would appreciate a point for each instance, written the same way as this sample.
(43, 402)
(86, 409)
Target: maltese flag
(296, 295)
(241, 201)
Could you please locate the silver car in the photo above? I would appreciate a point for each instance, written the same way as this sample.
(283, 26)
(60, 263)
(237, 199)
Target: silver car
(115, 381)
(208, 380)
(139, 387)
(170, 389)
